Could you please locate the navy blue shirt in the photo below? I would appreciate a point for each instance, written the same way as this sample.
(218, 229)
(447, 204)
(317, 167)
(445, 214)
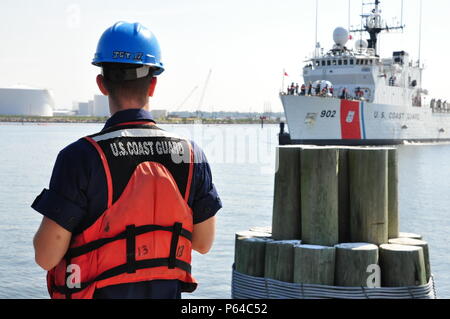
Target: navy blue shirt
(77, 196)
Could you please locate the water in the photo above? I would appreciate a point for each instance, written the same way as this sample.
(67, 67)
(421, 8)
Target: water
(242, 161)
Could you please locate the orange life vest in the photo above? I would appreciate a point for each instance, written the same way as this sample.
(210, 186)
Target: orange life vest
(146, 231)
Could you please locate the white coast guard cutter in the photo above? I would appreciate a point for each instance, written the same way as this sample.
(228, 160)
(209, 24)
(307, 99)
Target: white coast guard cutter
(355, 97)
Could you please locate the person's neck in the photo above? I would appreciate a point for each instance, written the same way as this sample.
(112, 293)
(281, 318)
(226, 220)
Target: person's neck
(115, 108)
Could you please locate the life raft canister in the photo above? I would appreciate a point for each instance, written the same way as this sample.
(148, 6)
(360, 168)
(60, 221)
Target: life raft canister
(146, 231)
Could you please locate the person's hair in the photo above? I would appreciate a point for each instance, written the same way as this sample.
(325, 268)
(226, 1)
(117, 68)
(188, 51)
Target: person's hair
(121, 90)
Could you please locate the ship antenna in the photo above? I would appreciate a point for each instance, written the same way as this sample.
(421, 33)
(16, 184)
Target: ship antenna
(373, 25)
(349, 13)
(420, 34)
(317, 17)
(401, 20)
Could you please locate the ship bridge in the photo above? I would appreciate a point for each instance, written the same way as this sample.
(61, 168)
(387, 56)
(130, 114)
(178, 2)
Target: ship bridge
(362, 74)
(346, 71)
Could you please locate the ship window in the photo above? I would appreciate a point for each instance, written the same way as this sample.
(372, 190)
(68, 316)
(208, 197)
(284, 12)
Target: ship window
(357, 61)
(328, 62)
(345, 62)
(334, 62)
(317, 63)
(352, 61)
(371, 61)
(340, 62)
(323, 63)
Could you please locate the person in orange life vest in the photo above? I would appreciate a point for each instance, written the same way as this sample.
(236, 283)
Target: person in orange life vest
(126, 206)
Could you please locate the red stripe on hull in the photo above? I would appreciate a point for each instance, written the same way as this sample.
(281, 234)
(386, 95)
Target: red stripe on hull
(350, 120)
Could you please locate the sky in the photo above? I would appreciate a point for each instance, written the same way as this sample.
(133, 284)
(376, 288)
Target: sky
(245, 44)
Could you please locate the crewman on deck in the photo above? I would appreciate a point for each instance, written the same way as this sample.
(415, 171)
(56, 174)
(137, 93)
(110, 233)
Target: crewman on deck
(292, 89)
(325, 90)
(126, 206)
(309, 88)
(318, 89)
(303, 89)
(359, 93)
(344, 94)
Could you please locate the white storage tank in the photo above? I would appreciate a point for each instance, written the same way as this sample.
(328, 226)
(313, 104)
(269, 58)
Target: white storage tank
(26, 101)
(101, 105)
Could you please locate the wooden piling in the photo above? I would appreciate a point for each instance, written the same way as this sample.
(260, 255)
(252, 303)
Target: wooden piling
(314, 265)
(319, 196)
(393, 213)
(331, 195)
(352, 262)
(279, 263)
(402, 266)
(419, 243)
(410, 235)
(344, 197)
(286, 217)
(368, 170)
(250, 253)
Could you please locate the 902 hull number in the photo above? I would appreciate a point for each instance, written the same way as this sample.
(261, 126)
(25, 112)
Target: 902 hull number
(328, 114)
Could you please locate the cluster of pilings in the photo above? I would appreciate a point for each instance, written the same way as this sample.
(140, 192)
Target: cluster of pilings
(335, 222)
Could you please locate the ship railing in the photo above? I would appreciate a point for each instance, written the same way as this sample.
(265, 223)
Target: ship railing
(439, 106)
(440, 110)
(326, 96)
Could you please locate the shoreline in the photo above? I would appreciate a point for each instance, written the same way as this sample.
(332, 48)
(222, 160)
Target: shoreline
(100, 120)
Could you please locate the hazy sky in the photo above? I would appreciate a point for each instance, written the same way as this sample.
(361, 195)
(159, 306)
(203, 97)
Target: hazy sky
(246, 44)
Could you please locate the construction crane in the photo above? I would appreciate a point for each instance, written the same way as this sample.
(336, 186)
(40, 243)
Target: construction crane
(187, 98)
(200, 103)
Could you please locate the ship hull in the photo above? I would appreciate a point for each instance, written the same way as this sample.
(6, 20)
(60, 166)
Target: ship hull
(331, 121)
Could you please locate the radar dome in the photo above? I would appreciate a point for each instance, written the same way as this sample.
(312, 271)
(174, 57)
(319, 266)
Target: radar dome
(340, 36)
(361, 45)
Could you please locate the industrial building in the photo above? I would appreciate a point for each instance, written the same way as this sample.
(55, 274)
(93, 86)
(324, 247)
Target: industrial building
(86, 108)
(26, 101)
(101, 106)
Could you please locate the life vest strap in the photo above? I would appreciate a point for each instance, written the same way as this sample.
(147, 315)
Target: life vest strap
(174, 244)
(131, 248)
(96, 244)
(122, 269)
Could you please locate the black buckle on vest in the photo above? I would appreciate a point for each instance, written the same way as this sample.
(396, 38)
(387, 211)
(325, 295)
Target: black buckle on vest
(131, 248)
(174, 244)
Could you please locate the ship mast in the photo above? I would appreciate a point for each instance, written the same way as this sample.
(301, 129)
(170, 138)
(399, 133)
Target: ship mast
(374, 26)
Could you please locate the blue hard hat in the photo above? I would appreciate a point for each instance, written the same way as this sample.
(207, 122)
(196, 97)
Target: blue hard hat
(129, 43)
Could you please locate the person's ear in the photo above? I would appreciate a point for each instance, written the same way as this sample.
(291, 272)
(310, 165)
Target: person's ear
(101, 84)
(151, 89)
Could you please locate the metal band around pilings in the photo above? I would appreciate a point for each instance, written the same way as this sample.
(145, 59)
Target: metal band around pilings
(248, 287)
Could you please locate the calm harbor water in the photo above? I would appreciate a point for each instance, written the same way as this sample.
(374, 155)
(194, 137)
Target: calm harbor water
(242, 158)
